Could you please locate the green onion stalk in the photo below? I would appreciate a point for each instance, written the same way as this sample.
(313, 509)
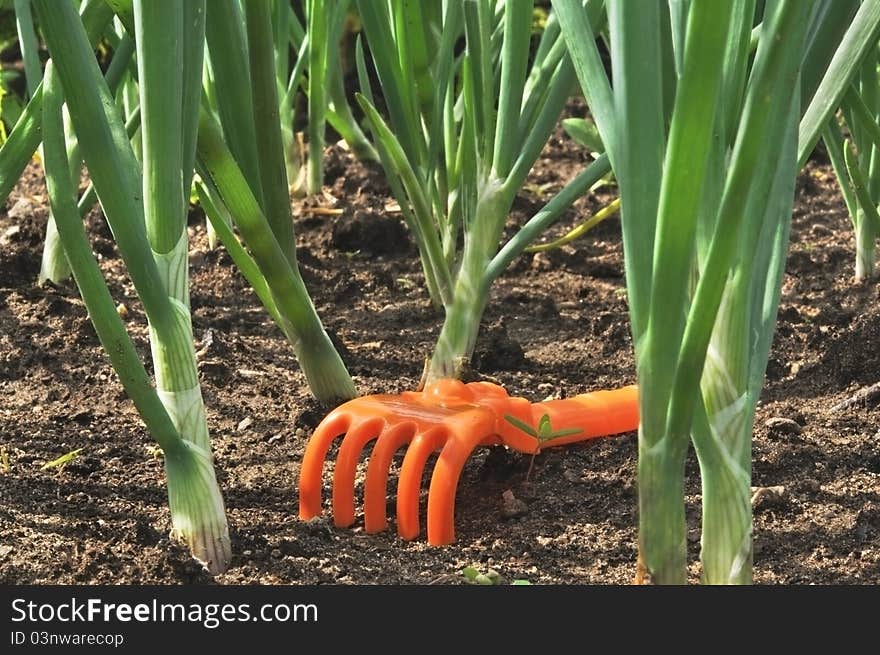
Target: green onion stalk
(210, 100)
(54, 264)
(268, 229)
(228, 91)
(129, 99)
(849, 83)
(145, 222)
(326, 92)
(27, 41)
(462, 133)
(26, 136)
(706, 196)
(231, 78)
(319, 47)
(275, 279)
(169, 75)
(284, 24)
(858, 173)
(273, 175)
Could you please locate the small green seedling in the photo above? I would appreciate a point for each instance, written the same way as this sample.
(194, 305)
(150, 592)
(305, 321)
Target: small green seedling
(491, 577)
(544, 431)
(473, 576)
(155, 451)
(62, 461)
(543, 434)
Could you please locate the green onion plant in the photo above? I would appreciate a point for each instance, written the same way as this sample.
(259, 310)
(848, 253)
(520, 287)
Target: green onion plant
(462, 132)
(856, 161)
(54, 264)
(25, 138)
(259, 206)
(318, 72)
(147, 215)
(705, 125)
(144, 195)
(326, 92)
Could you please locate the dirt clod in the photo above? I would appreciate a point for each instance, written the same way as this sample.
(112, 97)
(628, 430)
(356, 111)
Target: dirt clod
(370, 233)
(496, 351)
(511, 506)
(783, 425)
(767, 497)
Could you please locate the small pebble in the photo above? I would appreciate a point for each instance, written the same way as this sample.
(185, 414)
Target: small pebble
(766, 497)
(511, 506)
(276, 553)
(244, 424)
(9, 233)
(21, 209)
(783, 425)
(541, 262)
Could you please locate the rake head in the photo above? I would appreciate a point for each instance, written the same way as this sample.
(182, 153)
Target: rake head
(453, 418)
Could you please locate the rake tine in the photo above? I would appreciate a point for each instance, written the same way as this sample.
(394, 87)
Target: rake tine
(335, 425)
(444, 483)
(378, 471)
(410, 481)
(356, 438)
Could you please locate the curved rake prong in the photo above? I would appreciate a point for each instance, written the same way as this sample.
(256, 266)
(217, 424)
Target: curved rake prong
(346, 467)
(410, 481)
(378, 471)
(312, 469)
(444, 483)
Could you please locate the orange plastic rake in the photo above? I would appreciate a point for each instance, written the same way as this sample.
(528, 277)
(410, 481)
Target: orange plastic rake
(451, 417)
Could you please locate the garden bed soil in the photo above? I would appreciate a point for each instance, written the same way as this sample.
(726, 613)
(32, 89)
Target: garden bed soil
(556, 326)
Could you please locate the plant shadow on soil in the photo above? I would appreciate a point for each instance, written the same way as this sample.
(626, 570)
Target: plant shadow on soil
(556, 325)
